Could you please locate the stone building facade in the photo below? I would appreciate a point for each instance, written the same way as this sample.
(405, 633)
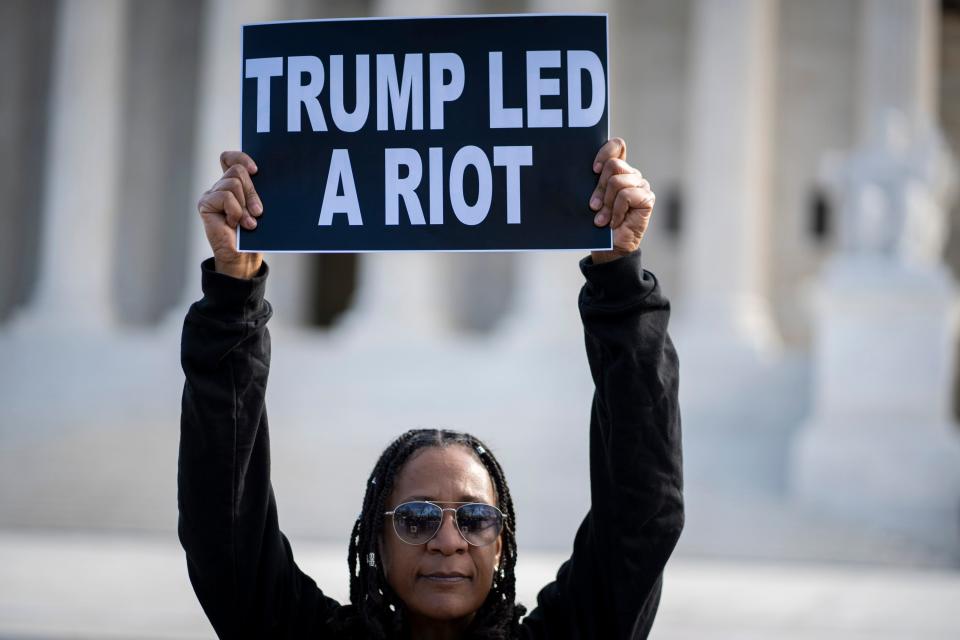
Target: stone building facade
(112, 117)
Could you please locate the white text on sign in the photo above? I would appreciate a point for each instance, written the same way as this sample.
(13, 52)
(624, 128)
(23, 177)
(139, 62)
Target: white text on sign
(410, 86)
(400, 91)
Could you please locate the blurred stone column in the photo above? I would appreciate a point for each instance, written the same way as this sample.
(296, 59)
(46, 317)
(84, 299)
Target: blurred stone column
(400, 295)
(729, 170)
(546, 284)
(568, 6)
(80, 197)
(26, 33)
(881, 445)
(218, 129)
(736, 395)
(543, 309)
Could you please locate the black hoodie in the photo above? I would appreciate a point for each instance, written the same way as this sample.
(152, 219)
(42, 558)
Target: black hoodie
(241, 565)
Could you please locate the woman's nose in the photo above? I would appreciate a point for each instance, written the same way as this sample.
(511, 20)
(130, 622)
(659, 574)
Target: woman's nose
(448, 539)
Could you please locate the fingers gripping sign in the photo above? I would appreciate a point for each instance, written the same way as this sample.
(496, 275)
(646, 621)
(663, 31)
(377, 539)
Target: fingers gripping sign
(236, 164)
(622, 200)
(231, 202)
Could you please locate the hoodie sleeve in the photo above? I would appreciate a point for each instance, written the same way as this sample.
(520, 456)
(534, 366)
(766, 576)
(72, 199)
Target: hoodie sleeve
(610, 586)
(239, 562)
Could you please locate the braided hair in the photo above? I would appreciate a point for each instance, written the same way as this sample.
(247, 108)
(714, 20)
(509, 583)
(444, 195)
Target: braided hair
(376, 611)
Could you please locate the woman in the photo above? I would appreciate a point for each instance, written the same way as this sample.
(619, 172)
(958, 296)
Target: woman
(432, 554)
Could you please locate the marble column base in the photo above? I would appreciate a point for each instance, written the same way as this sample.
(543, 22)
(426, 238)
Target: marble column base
(881, 445)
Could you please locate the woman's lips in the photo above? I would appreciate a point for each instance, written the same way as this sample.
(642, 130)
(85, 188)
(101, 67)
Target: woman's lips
(445, 577)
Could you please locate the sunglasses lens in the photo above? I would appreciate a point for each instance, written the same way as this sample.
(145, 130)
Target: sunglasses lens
(416, 522)
(480, 524)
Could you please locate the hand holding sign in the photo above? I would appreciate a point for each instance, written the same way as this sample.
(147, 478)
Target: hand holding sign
(623, 199)
(231, 202)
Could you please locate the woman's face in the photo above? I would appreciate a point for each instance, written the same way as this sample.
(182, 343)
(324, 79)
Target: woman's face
(446, 579)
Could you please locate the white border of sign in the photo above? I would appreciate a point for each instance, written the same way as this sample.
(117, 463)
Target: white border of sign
(606, 25)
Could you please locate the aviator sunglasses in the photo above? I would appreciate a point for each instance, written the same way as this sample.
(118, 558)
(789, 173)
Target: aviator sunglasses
(419, 521)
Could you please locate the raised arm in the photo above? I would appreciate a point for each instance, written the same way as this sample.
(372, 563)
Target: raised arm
(240, 564)
(610, 587)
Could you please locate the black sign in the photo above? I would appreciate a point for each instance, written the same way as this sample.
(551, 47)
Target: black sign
(456, 134)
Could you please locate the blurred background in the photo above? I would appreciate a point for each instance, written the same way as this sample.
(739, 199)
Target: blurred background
(806, 230)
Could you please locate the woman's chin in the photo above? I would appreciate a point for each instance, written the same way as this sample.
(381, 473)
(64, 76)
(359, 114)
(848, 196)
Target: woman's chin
(444, 606)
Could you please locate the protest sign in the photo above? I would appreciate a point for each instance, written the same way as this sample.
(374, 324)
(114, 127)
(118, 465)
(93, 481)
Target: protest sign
(455, 134)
